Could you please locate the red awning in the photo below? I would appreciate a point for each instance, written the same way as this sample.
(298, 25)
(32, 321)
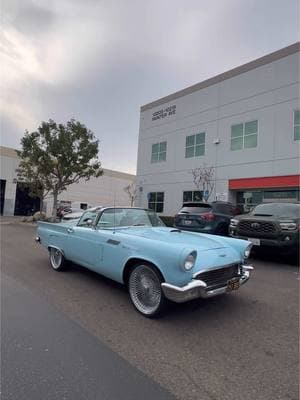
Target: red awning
(265, 182)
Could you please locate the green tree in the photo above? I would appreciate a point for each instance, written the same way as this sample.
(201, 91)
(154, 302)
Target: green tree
(56, 156)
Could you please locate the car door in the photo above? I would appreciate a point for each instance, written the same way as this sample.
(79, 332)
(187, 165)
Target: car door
(115, 249)
(83, 246)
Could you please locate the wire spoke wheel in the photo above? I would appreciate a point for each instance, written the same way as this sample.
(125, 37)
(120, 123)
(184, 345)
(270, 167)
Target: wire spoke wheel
(57, 259)
(145, 290)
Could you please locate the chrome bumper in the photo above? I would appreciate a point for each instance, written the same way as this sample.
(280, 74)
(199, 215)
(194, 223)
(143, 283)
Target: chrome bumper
(198, 289)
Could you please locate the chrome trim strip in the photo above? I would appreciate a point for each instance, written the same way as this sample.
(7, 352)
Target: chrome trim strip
(189, 286)
(247, 267)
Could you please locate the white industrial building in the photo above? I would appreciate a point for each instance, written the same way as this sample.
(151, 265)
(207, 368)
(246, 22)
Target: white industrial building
(245, 123)
(105, 190)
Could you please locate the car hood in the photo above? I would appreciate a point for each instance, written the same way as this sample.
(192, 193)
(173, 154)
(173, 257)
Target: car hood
(175, 236)
(271, 218)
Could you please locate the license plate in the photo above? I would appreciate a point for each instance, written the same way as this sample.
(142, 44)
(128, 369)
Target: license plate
(256, 242)
(187, 222)
(233, 284)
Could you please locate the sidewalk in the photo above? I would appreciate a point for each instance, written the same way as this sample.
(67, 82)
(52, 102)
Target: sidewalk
(5, 220)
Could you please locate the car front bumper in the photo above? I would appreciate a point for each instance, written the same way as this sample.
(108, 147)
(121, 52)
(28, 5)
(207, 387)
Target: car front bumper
(198, 289)
(288, 240)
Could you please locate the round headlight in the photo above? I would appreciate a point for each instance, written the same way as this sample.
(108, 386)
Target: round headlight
(189, 262)
(248, 251)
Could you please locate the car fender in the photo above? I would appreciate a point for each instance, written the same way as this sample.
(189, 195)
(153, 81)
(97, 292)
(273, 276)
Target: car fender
(167, 263)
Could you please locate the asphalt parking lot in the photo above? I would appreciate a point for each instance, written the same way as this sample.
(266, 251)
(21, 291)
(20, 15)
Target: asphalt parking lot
(239, 346)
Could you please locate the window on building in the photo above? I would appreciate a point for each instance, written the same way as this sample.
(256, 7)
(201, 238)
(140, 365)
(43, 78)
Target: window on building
(244, 135)
(195, 145)
(159, 152)
(156, 201)
(297, 125)
(192, 195)
(248, 199)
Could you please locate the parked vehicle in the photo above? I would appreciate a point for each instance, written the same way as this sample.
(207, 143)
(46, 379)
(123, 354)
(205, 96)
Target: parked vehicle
(69, 210)
(205, 217)
(273, 225)
(132, 246)
(72, 216)
(63, 211)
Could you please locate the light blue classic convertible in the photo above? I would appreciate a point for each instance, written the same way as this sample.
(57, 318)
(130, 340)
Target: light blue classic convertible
(156, 263)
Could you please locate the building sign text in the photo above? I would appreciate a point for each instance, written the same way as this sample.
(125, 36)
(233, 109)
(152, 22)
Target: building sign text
(164, 112)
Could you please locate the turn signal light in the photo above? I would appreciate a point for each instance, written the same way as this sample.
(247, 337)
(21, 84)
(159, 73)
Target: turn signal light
(208, 216)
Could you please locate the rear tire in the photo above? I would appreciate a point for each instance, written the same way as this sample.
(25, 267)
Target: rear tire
(57, 259)
(145, 291)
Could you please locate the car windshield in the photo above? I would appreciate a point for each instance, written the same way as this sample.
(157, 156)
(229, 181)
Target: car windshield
(278, 209)
(90, 214)
(121, 217)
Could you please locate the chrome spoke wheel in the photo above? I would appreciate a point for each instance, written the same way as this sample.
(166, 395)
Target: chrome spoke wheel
(145, 289)
(56, 258)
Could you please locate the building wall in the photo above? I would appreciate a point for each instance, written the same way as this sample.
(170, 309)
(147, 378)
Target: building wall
(9, 162)
(105, 190)
(268, 93)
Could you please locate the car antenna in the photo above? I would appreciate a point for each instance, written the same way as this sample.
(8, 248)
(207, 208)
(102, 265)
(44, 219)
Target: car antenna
(114, 231)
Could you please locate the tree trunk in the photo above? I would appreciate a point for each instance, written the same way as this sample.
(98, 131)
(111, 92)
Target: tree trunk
(41, 204)
(54, 210)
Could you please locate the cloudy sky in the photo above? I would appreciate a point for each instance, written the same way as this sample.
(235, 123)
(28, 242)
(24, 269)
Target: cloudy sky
(99, 60)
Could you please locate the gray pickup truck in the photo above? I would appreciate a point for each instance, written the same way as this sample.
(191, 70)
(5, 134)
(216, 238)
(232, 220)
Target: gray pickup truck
(273, 225)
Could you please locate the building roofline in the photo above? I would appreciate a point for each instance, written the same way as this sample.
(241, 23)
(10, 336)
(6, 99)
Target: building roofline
(11, 152)
(276, 55)
(118, 174)
(8, 152)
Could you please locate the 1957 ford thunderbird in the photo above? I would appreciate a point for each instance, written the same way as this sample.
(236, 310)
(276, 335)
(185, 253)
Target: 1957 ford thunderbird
(156, 263)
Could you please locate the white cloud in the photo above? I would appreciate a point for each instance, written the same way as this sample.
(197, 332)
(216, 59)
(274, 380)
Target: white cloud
(73, 58)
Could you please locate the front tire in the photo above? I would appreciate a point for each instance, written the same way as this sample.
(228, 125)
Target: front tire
(144, 286)
(57, 259)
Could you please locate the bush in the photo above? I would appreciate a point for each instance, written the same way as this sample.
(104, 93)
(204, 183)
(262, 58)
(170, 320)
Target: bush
(39, 216)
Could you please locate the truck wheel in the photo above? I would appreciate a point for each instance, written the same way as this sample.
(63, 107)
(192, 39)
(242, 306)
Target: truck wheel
(57, 260)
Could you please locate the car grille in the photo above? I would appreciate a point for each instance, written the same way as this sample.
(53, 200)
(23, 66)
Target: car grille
(218, 277)
(256, 228)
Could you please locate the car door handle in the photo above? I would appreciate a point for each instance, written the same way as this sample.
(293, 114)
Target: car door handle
(70, 230)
